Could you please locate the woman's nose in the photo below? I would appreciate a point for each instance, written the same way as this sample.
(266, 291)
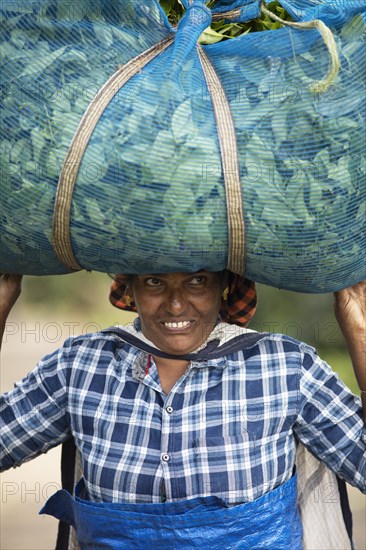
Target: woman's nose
(176, 301)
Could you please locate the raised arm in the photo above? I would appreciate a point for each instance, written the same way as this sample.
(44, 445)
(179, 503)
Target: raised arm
(10, 288)
(350, 311)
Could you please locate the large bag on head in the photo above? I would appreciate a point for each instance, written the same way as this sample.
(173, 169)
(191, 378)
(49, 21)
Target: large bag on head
(128, 147)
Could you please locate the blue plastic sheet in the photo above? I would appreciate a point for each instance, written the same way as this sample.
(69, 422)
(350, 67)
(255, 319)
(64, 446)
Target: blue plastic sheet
(272, 521)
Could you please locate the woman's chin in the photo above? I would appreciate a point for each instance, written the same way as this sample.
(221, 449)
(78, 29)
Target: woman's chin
(179, 344)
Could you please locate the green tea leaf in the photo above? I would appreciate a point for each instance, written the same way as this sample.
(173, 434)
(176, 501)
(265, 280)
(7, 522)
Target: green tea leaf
(36, 68)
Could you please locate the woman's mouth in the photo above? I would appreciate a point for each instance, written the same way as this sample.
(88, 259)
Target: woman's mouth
(173, 325)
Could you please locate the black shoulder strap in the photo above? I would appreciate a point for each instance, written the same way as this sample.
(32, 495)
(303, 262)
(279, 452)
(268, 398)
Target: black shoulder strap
(346, 510)
(213, 350)
(68, 460)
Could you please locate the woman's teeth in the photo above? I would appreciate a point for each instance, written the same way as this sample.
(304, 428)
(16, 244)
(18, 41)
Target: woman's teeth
(181, 324)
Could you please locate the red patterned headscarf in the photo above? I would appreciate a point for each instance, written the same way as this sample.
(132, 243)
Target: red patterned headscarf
(238, 303)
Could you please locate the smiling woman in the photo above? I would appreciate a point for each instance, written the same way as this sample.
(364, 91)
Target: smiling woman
(188, 422)
(178, 310)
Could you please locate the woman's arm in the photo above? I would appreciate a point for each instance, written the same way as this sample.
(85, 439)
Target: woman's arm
(350, 311)
(10, 288)
(330, 421)
(33, 415)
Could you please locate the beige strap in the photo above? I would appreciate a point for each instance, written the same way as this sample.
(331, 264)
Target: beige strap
(232, 14)
(320, 86)
(65, 188)
(230, 166)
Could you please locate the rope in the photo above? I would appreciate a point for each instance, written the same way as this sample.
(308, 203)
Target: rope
(62, 210)
(320, 86)
(230, 166)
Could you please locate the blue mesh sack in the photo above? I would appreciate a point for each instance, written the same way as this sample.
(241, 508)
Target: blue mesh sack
(128, 146)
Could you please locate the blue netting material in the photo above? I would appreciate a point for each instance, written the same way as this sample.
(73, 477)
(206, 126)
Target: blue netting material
(149, 195)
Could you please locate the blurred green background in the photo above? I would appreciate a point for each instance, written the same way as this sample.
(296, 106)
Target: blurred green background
(84, 296)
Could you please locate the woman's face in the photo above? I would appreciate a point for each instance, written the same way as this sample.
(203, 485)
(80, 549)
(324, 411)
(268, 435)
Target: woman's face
(177, 310)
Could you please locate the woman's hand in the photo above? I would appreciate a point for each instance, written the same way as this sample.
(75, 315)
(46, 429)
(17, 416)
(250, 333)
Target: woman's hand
(10, 288)
(350, 311)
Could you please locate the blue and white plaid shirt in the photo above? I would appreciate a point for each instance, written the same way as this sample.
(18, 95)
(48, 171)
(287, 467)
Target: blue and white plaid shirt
(228, 427)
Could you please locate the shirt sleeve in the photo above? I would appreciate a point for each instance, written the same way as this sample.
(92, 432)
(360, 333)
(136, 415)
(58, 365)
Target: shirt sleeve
(33, 416)
(330, 421)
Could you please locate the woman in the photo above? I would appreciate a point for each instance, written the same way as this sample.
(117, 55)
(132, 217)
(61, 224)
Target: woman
(181, 415)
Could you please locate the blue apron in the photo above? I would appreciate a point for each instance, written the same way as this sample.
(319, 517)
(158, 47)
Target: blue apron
(269, 522)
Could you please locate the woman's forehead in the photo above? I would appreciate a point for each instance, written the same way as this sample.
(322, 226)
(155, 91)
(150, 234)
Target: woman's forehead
(179, 274)
(175, 274)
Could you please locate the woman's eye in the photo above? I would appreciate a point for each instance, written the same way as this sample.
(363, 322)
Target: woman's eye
(198, 280)
(151, 281)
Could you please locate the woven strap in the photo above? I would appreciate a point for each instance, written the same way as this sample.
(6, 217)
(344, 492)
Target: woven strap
(61, 216)
(230, 166)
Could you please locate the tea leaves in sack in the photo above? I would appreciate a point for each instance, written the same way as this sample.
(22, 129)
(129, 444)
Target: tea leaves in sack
(149, 192)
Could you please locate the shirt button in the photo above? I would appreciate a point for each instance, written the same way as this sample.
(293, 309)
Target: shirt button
(165, 457)
(169, 410)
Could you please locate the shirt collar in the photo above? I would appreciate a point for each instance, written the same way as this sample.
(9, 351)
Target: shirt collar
(223, 332)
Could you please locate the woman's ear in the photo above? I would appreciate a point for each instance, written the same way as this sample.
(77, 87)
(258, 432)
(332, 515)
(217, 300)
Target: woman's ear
(129, 293)
(224, 282)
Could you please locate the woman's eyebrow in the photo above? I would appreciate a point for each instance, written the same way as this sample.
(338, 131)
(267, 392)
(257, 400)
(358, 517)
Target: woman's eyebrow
(166, 274)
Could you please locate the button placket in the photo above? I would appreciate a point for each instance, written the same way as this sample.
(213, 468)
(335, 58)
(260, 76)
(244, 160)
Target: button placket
(167, 433)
